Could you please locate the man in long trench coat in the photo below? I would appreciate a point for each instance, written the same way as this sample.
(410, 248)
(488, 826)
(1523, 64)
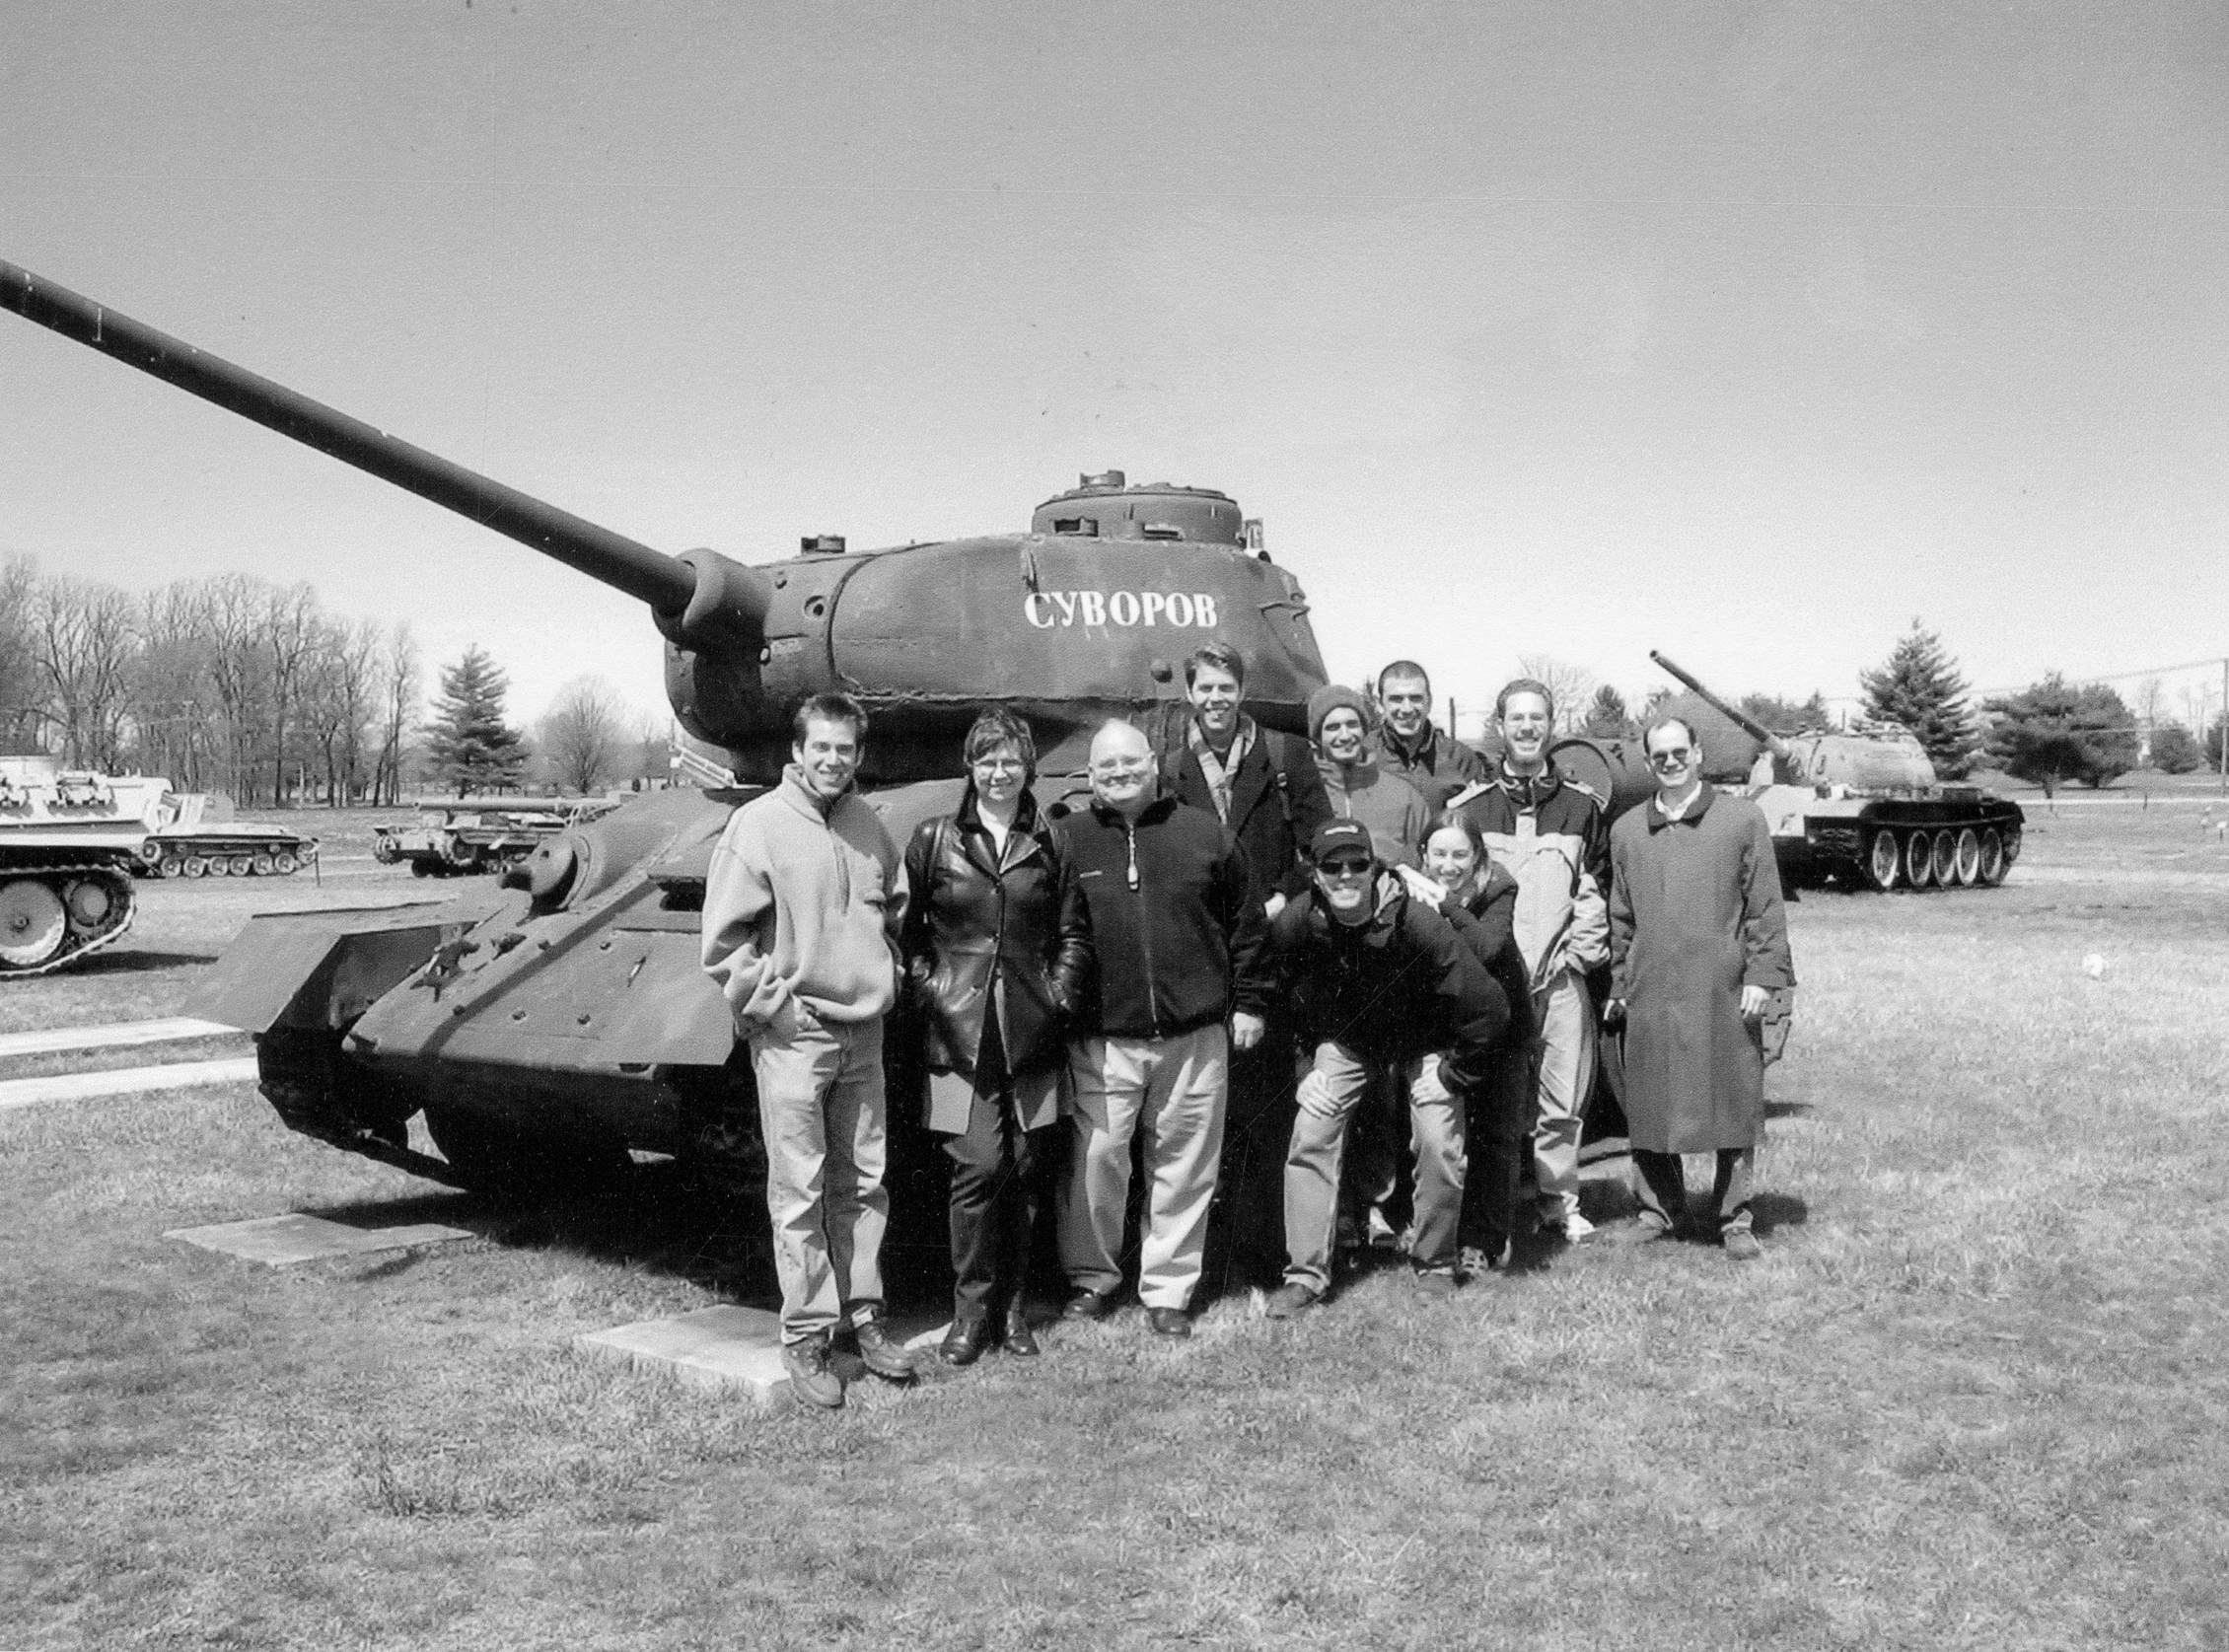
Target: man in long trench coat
(1699, 943)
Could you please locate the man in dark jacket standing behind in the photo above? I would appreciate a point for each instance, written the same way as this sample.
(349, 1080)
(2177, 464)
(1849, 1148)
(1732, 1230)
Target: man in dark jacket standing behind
(1698, 944)
(1264, 786)
(1178, 936)
(1378, 985)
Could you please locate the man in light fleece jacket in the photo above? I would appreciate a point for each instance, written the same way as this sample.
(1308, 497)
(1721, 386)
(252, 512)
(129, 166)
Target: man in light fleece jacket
(802, 908)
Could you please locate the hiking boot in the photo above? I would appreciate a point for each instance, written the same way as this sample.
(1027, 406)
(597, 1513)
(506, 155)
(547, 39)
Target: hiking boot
(1741, 1244)
(885, 1359)
(1291, 1301)
(812, 1381)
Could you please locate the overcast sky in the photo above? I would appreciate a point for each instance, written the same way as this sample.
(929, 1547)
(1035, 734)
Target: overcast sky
(1745, 332)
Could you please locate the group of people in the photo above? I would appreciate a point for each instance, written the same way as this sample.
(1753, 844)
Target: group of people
(1241, 961)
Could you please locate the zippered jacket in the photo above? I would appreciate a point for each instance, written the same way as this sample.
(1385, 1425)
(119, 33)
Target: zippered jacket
(1399, 986)
(1548, 832)
(1176, 931)
(804, 899)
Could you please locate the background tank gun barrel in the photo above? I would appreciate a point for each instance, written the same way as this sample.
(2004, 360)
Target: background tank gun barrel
(1741, 719)
(689, 598)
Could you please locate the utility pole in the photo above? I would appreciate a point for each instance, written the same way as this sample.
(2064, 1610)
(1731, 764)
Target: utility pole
(2225, 726)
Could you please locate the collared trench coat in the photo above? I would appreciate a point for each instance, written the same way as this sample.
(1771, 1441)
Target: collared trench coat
(1695, 916)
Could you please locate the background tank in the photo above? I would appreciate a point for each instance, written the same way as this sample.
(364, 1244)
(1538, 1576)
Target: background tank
(1865, 807)
(568, 1022)
(68, 845)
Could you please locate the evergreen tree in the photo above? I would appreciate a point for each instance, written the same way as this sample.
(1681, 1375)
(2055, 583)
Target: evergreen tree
(2174, 750)
(1607, 718)
(1785, 716)
(1920, 688)
(470, 746)
(2054, 732)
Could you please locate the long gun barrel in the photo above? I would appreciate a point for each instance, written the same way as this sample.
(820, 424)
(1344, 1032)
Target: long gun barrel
(667, 584)
(1748, 725)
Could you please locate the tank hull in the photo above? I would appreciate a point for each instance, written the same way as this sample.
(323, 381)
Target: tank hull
(69, 843)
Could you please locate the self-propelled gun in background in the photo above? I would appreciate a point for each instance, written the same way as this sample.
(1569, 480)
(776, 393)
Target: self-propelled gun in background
(566, 1021)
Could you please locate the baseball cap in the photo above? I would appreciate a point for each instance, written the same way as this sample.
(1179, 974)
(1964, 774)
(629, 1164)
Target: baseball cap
(1334, 836)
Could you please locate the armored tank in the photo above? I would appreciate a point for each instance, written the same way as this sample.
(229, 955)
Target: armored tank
(467, 837)
(566, 1023)
(200, 841)
(1861, 809)
(69, 843)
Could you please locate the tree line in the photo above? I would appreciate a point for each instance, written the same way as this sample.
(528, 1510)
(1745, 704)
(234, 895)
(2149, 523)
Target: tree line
(228, 683)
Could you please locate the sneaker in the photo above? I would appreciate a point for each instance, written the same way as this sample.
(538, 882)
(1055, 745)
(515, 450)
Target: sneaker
(812, 1381)
(1291, 1301)
(1475, 1261)
(1637, 1232)
(1741, 1244)
(885, 1359)
(1435, 1282)
(1577, 1230)
(1378, 1233)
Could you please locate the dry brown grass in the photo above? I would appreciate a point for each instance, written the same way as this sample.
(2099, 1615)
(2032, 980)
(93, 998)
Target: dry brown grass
(1972, 1395)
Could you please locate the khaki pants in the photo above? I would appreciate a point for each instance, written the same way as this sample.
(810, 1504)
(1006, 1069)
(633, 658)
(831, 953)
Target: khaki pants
(1566, 1079)
(821, 1112)
(1312, 1167)
(1170, 1093)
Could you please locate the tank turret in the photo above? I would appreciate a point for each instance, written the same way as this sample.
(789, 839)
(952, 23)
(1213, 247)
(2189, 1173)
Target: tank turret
(1088, 616)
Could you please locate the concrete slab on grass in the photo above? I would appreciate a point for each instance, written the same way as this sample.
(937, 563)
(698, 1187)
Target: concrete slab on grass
(285, 1241)
(126, 1081)
(714, 1347)
(47, 1040)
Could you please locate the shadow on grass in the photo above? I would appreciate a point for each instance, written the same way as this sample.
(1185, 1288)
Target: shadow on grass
(1789, 1110)
(1779, 1210)
(138, 962)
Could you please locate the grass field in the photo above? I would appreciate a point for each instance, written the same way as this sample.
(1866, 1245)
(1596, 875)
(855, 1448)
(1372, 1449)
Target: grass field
(1973, 1396)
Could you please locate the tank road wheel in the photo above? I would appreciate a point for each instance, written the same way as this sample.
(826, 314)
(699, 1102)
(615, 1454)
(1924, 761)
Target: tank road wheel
(1946, 859)
(262, 866)
(2011, 847)
(1991, 853)
(1918, 860)
(91, 903)
(1882, 858)
(194, 866)
(241, 865)
(32, 924)
(172, 866)
(1968, 856)
(284, 863)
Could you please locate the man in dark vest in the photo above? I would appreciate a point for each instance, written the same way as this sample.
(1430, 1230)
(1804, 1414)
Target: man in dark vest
(1264, 787)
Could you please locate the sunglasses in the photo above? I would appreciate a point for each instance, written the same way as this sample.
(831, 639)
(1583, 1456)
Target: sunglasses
(1672, 756)
(1344, 866)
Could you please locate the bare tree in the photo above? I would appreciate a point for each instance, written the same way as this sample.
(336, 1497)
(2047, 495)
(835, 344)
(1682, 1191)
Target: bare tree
(239, 675)
(292, 629)
(398, 690)
(22, 703)
(339, 702)
(1572, 687)
(585, 732)
(85, 644)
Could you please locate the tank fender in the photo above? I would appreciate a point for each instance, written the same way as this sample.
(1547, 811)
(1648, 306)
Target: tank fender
(322, 969)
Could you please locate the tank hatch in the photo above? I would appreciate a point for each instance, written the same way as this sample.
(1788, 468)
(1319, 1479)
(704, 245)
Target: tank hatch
(1105, 507)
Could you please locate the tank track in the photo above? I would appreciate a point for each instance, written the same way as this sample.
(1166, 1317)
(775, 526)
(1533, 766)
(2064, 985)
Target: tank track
(120, 887)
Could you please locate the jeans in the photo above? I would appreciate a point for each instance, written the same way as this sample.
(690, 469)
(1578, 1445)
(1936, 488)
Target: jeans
(998, 1186)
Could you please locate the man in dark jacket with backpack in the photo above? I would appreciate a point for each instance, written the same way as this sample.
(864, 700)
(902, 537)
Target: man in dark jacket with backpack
(1264, 786)
(1378, 984)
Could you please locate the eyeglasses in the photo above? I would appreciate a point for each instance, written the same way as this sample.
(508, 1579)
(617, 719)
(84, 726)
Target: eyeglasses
(1122, 765)
(1345, 867)
(1672, 756)
(1000, 766)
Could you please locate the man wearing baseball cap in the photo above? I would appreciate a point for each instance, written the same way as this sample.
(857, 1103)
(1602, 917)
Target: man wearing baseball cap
(1377, 982)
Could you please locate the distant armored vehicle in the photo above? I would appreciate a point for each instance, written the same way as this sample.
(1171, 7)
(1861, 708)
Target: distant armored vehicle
(68, 844)
(571, 1022)
(467, 836)
(199, 842)
(1861, 809)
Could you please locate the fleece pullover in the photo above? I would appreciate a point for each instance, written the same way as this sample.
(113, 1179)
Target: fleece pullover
(804, 899)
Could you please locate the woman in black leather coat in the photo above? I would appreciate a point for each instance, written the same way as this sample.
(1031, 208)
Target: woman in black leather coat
(998, 954)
